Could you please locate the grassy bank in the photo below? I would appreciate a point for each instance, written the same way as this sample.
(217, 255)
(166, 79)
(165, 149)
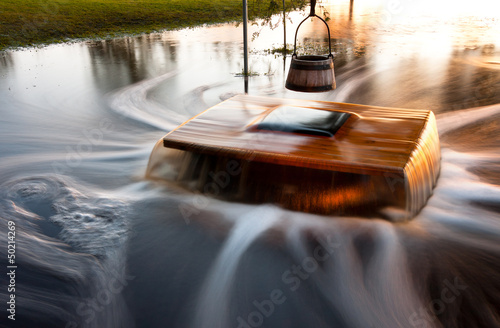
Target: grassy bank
(32, 22)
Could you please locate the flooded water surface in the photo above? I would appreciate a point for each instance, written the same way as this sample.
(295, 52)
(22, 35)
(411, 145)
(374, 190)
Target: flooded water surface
(99, 245)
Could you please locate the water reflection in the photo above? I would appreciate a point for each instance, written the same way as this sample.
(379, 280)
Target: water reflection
(6, 60)
(409, 60)
(130, 59)
(471, 85)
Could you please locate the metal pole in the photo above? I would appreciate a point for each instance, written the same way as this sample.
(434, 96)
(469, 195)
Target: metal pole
(284, 38)
(284, 29)
(245, 37)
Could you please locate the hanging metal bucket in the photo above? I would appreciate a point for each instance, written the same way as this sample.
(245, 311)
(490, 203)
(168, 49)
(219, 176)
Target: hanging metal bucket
(312, 73)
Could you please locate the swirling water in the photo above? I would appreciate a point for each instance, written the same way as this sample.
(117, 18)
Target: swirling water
(97, 245)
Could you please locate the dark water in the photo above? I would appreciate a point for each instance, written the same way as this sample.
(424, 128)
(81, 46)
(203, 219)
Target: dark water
(97, 245)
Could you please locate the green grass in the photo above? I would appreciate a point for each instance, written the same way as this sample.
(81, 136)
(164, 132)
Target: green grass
(34, 22)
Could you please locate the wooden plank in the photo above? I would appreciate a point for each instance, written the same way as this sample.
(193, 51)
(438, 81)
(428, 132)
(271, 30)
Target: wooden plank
(374, 140)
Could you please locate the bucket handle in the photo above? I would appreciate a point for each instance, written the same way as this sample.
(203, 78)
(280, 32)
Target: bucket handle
(312, 14)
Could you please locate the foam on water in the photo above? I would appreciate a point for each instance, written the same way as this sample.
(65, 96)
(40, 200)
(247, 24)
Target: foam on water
(66, 232)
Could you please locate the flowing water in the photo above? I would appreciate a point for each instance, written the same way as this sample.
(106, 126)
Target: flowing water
(98, 245)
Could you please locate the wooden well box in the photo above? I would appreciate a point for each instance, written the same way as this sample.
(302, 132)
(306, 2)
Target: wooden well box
(312, 156)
